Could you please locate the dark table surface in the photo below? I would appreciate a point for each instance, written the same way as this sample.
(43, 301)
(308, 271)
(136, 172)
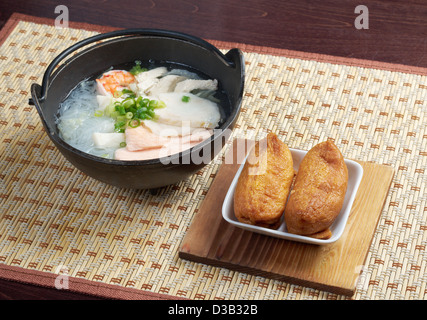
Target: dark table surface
(397, 33)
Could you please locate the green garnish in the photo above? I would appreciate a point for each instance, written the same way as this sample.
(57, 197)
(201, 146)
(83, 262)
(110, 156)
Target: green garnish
(134, 123)
(120, 109)
(98, 113)
(117, 94)
(131, 111)
(120, 126)
(127, 103)
(185, 98)
(122, 144)
(137, 69)
(130, 93)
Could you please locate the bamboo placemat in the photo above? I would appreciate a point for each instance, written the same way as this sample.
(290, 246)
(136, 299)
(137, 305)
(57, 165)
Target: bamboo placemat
(53, 216)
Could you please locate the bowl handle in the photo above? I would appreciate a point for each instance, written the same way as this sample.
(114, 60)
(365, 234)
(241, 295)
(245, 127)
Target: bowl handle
(121, 33)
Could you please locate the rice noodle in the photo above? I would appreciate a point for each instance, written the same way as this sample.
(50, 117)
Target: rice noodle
(77, 121)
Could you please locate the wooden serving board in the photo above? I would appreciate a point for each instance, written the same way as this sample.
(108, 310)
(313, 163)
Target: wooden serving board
(331, 267)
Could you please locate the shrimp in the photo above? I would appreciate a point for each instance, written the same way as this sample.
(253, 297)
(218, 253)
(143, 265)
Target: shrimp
(114, 80)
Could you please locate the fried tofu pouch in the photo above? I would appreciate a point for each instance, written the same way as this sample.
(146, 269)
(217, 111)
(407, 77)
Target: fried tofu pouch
(264, 184)
(318, 192)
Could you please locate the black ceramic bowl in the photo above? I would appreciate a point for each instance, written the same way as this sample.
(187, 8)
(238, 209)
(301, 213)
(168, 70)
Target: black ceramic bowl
(124, 46)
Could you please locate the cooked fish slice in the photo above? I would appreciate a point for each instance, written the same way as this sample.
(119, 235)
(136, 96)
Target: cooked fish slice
(165, 84)
(147, 79)
(192, 84)
(199, 112)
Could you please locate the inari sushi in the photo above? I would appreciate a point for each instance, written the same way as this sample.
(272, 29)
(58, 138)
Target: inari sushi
(264, 184)
(318, 192)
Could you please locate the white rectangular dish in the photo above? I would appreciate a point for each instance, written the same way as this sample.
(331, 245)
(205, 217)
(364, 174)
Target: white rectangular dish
(355, 173)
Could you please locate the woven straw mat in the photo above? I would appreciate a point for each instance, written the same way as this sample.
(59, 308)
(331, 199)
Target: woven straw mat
(53, 215)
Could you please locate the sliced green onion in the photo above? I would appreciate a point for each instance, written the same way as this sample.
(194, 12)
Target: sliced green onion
(153, 103)
(114, 114)
(119, 126)
(120, 109)
(161, 104)
(117, 94)
(139, 114)
(98, 113)
(127, 103)
(122, 144)
(145, 102)
(132, 110)
(185, 98)
(121, 119)
(150, 113)
(134, 123)
(109, 109)
(130, 93)
(138, 102)
(137, 68)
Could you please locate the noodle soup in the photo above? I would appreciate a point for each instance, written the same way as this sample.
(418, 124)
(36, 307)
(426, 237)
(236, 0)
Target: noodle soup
(141, 111)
